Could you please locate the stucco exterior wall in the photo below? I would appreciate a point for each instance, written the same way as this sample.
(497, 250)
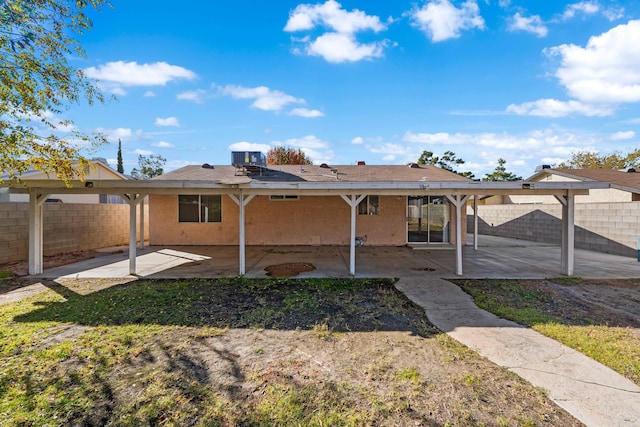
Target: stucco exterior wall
(602, 227)
(311, 220)
(67, 228)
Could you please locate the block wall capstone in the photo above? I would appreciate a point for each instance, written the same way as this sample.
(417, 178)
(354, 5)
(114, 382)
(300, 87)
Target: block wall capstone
(602, 227)
(67, 227)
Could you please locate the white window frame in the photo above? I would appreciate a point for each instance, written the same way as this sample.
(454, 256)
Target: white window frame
(283, 197)
(200, 219)
(371, 208)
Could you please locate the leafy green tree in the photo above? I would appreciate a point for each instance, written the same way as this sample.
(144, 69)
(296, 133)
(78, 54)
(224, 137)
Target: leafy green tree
(591, 160)
(500, 173)
(120, 165)
(287, 156)
(37, 84)
(150, 166)
(449, 161)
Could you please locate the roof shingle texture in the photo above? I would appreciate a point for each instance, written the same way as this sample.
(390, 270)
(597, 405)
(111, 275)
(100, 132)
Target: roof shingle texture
(312, 173)
(615, 177)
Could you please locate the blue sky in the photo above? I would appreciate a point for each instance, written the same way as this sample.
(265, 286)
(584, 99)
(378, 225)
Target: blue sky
(378, 81)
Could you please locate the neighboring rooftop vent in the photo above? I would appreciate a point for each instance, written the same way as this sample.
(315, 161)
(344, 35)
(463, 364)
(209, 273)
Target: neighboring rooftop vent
(414, 166)
(248, 158)
(324, 165)
(207, 166)
(631, 170)
(542, 167)
(361, 163)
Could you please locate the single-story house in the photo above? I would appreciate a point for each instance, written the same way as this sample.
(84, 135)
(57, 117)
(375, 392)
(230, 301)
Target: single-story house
(625, 186)
(607, 219)
(250, 203)
(98, 169)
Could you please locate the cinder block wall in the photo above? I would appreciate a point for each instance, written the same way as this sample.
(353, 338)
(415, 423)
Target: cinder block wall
(602, 227)
(68, 227)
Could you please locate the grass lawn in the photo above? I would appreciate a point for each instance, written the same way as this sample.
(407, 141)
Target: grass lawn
(598, 318)
(246, 352)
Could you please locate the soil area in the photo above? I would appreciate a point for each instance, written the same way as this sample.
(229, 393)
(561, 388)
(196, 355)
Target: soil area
(612, 302)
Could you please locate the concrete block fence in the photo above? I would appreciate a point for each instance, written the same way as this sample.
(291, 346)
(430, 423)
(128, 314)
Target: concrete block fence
(601, 227)
(68, 227)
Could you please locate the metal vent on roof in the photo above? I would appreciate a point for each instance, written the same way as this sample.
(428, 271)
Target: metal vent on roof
(361, 163)
(324, 165)
(414, 166)
(207, 166)
(631, 170)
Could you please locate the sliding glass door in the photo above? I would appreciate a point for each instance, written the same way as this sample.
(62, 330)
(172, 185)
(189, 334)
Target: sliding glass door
(428, 219)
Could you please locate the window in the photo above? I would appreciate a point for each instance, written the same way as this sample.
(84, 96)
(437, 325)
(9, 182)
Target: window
(195, 208)
(283, 197)
(369, 206)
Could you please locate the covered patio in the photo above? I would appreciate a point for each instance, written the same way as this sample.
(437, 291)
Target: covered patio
(496, 257)
(245, 259)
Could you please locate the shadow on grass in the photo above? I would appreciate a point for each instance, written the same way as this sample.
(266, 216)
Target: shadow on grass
(342, 305)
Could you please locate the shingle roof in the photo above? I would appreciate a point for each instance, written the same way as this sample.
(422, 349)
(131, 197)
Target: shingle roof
(629, 181)
(314, 173)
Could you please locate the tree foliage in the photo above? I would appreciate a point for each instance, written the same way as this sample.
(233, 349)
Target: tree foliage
(500, 173)
(120, 165)
(591, 160)
(287, 156)
(448, 161)
(150, 166)
(37, 83)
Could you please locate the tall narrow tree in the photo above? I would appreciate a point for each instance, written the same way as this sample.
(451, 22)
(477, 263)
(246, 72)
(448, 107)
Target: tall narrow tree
(120, 165)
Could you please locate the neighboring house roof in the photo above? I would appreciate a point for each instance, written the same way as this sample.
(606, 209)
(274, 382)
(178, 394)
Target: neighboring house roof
(315, 173)
(621, 180)
(98, 169)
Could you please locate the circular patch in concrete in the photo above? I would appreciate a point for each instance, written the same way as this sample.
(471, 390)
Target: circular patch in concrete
(289, 269)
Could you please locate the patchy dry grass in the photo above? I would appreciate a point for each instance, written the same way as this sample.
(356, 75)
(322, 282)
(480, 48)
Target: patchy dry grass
(246, 352)
(598, 318)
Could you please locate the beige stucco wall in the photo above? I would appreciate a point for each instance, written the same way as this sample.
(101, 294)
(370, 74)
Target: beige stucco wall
(311, 220)
(67, 228)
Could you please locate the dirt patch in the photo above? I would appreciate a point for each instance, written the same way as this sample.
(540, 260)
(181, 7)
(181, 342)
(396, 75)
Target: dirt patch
(21, 268)
(290, 269)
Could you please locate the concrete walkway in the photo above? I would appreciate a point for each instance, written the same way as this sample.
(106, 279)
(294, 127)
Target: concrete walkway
(591, 392)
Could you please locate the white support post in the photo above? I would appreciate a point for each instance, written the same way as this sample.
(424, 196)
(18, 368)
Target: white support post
(568, 232)
(141, 243)
(133, 200)
(242, 203)
(353, 202)
(458, 201)
(475, 222)
(36, 219)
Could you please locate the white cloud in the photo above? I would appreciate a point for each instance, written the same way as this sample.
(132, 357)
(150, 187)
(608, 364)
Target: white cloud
(124, 134)
(584, 7)
(531, 24)
(264, 98)
(142, 152)
(337, 48)
(114, 75)
(168, 121)
(357, 140)
(623, 135)
(607, 70)
(192, 95)
(331, 15)
(249, 146)
(305, 112)
(163, 144)
(339, 43)
(440, 20)
(433, 138)
(555, 108)
(149, 94)
(389, 158)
